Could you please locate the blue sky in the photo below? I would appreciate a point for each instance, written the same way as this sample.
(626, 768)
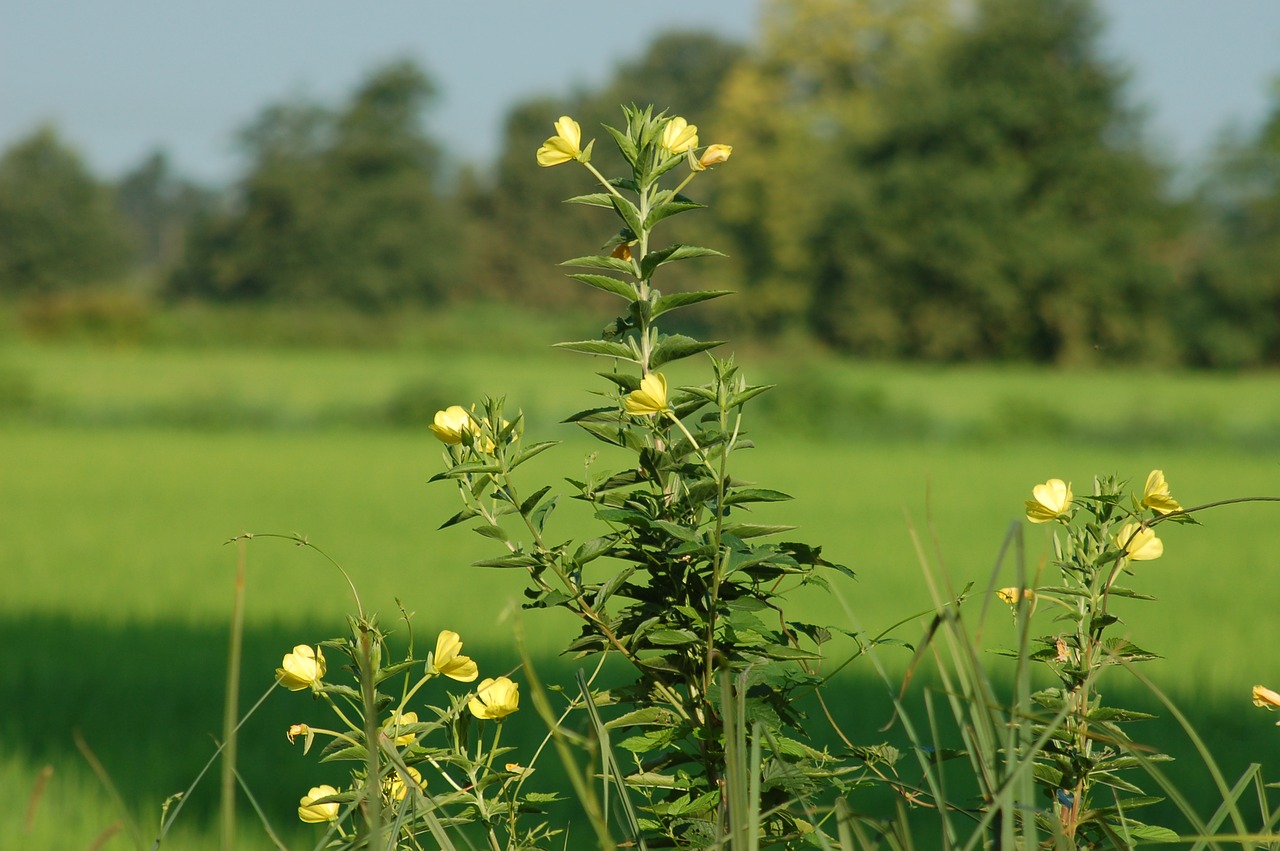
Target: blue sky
(120, 79)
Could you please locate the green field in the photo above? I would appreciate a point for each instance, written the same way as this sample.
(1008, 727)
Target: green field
(124, 471)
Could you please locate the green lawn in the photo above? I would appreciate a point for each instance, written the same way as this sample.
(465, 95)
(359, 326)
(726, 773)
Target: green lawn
(125, 471)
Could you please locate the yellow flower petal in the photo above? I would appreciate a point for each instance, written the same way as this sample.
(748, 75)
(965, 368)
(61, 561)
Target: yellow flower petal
(449, 661)
(395, 784)
(650, 398)
(495, 698)
(314, 813)
(451, 423)
(301, 669)
(563, 147)
(679, 136)
(1139, 542)
(714, 155)
(1051, 501)
(396, 723)
(1156, 494)
(1265, 697)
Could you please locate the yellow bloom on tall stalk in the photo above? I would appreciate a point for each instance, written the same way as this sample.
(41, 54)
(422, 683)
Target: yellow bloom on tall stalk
(302, 668)
(396, 788)
(1052, 500)
(313, 813)
(495, 698)
(448, 659)
(1266, 698)
(563, 147)
(396, 723)
(1139, 542)
(650, 399)
(714, 155)
(451, 423)
(1156, 494)
(679, 136)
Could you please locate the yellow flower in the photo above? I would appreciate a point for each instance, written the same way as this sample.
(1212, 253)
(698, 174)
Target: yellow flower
(563, 147)
(296, 730)
(651, 398)
(448, 660)
(1139, 542)
(1013, 596)
(1156, 494)
(495, 699)
(396, 788)
(301, 669)
(714, 155)
(1052, 500)
(314, 813)
(1266, 698)
(451, 423)
(396, 722)
(679, 136)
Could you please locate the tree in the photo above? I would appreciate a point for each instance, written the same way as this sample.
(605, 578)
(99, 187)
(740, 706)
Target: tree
(59, 229)
(159, 207)
(336, 207)
(1230, 315)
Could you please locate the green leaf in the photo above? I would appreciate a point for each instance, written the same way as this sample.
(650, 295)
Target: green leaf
(601, 347)
(630, 215)
(1110, 713)
(611, 587)
(608, 284)
(743, 495)
(780, 651)
(540, 514)
(625, 145)
(590, 550)
(462, 516)
(671, 254)
(511, 560)
(748, 394)
(600, 261)
(595, 199)
(649, 715)
(663, 211)
(755, 530)
(532, 450)
(664, 637)
(490, 531)
(667, 303)
(678, 346)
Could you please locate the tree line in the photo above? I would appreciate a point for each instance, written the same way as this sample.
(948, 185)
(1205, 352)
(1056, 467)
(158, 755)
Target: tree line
(943, 187)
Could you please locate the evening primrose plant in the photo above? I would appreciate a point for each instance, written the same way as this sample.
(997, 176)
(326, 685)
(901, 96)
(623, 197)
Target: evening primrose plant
(681, 583)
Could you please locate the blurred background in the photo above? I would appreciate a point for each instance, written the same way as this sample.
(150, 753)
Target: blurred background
(247, 250)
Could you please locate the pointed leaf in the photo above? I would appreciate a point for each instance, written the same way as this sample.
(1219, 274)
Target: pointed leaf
(600, 347)
(679, 346)
(630, 215)
(663, 211)
(595, 199)
(609, 285)
(679, 251)
(532, 450)
(599, 261)
(742, 495)
(668, 303)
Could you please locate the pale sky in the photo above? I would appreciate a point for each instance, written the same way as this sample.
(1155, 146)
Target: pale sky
(122, 78)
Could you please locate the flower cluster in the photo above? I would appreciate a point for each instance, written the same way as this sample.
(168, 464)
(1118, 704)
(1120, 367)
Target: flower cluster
(679, 138)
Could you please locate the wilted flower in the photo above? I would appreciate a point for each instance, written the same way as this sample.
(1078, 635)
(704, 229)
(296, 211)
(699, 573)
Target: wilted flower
(396, 788)
(296, 730)
(449, 661)
(396, 722)
(1013, 596)
(495, 699)
(301, 669)
(451, 423)
(1139, 542)
(1266, 698)
(563, 147)
(714, 155)
(650, 399)
(679, 136)
(314, 813)
(1156, 494)
(1052, 500)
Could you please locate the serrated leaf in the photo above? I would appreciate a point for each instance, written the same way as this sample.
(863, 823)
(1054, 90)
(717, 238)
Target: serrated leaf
(512, 560)
(742, 495)
(532, 450)
(671, 254)
(668, 303)
(606, 283)
(600, 261)
(600, 347)
(755, 530)
(630, 215)
(678, 346)
(663, 211)
(594, 199)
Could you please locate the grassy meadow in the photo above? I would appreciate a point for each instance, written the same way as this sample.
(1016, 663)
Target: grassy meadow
(125, 469)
